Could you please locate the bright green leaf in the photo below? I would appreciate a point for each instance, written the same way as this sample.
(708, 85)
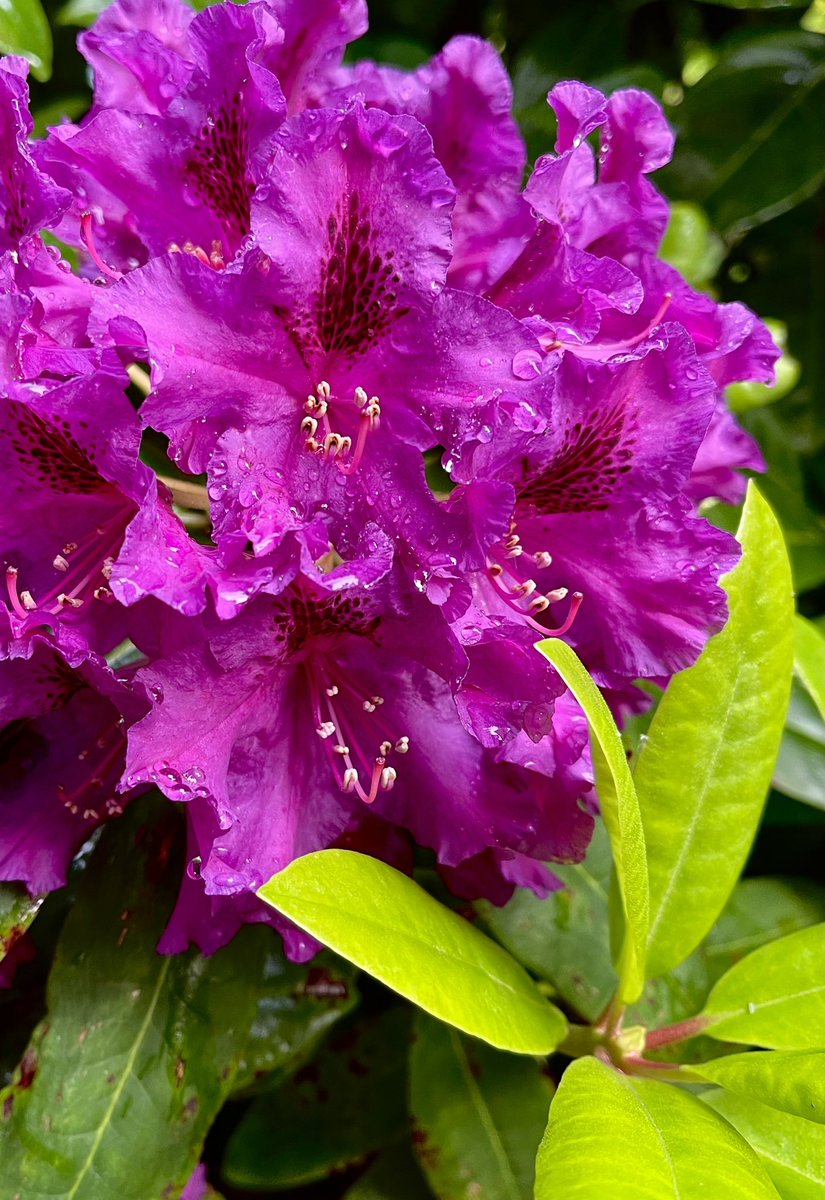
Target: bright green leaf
(703, 773)
(387, 925)
(790, 1148)
(478, 1115)
(775, 997)
(24, 30)
(616, 1136)
(81, 12)
(564, 938)
(790, 1080)
(620, 809)
(690, 245)
(809, 660)
(348, 1103)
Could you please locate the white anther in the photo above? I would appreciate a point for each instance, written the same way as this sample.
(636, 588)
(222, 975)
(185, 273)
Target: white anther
(377, 699)
(539, 604)
(332, 691)
(60, 563)
(325, 729)
(28, 601)
(102, 593)
(350, 779)
(323, 390)
(513, 540)
(70, 548)
(360, 397)
(368, 706)
(516, 552)
(495, 569)
(107, 568)
(542, 559)
(388, 778)
(402, 745)
(384, 749)
(526, 588)
(341, 749)
(90, 814)
(558, 594)
(309, 426)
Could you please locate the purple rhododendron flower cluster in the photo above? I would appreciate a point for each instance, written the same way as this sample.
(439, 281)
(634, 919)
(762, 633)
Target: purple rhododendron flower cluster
(336, 418)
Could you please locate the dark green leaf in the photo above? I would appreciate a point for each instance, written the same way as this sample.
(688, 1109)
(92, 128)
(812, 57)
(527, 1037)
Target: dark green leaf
(387, 925)
(764, 157)
(138, 1051)
(395, 1175)
(338, 1109)
(479, 1115)
(612, 1135)
(800, 768)
(759, 911)
(703, 773)
(564, 938)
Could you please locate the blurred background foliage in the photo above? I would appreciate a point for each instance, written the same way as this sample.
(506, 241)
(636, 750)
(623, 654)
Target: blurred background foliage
(743, 83)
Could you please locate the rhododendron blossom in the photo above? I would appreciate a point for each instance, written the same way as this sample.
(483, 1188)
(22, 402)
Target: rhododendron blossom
(335, 419)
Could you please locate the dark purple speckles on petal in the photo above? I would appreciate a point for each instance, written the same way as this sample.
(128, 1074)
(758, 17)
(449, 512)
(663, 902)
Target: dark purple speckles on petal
(585, 475)
(218, 169)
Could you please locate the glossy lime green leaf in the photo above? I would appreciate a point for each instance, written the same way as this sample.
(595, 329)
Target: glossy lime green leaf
(17, 911)
(775, 997)
(478, 1115)
(790, 1148)
(800, 768)
(620, 809)
(564, 938)
(809, 660)
(24, 30)
(137, 1049)
(763, 158)
(703, 773)
(395, 1175)
(616, 1136)
(790, 1080)
(387, 925)
(343, 1106)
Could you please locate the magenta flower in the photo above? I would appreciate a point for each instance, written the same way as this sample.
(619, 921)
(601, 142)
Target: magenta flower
(63, 727)
(312, 709)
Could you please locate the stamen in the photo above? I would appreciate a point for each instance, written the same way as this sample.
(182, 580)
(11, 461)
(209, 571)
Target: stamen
(28, 601)
(60, 563)
(86, 222)
(402, 745)
(575, 605)
(350, 779)
(542, 559)
(388, 778)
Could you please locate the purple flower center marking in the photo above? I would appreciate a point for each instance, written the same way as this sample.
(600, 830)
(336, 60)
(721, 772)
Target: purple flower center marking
(217, 168)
